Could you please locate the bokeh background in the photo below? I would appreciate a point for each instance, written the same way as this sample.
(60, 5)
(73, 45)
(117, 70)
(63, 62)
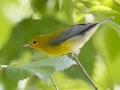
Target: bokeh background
(21, 20)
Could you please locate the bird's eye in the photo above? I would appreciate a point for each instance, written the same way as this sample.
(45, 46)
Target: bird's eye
(34, 42)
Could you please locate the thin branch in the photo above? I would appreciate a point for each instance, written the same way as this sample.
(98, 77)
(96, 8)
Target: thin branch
(86, 11)
(85, 73)
(117, 3)
(56, 88)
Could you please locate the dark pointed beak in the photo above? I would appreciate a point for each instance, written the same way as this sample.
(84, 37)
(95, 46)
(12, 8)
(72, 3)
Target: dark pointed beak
(26, 45)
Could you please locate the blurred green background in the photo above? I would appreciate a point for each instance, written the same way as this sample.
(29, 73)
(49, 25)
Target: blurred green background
(21, 20)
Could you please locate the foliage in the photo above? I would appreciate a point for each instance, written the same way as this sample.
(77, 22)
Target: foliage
(43, 69)
(21, 20)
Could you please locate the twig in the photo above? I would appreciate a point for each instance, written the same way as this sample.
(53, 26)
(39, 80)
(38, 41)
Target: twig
(86, 11)
(85, 73)
(117, 3)
(54, 83)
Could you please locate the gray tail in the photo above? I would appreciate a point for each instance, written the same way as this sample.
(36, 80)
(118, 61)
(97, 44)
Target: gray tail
(106, 20)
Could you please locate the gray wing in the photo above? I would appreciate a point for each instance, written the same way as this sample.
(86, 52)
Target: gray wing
(71, 32)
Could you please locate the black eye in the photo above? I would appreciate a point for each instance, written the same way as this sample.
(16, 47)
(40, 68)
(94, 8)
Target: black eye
(34, 42)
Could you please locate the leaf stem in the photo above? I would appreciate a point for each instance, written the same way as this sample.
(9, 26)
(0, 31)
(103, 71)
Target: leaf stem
(85, 73)
(56, 88)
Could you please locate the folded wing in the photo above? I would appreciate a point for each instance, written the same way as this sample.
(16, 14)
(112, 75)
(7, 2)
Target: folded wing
(70, 32)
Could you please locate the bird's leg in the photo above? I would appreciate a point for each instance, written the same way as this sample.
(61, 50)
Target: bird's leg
(75, 53)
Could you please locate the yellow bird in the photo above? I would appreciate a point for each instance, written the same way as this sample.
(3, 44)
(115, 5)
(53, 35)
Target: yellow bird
(64, 41)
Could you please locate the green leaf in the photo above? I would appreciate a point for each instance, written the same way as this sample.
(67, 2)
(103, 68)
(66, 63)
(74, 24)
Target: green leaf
(43, 69)
(59, 62)
(17, 73)
(103, 9)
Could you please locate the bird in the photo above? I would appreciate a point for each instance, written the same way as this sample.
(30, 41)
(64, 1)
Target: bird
(66, 40)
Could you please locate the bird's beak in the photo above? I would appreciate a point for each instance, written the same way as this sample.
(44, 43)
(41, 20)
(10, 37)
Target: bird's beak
(26, 45)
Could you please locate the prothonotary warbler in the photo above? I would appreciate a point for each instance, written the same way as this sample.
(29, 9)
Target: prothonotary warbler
(64, 41)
